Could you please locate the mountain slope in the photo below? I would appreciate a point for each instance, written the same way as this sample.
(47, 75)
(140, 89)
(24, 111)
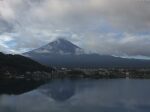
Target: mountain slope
(62, 53)
(19, 64)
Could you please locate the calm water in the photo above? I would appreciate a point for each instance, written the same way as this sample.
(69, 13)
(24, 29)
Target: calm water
(82, 96)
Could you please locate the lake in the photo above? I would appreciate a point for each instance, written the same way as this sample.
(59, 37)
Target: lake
(117, 95)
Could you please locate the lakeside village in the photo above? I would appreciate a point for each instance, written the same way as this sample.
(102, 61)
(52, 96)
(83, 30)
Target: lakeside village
(101, 73)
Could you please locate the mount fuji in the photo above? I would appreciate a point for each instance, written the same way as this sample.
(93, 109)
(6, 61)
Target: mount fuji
(63, 53)
(59, 46)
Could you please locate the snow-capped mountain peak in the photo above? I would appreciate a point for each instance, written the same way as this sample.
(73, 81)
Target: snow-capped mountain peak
(59, 46)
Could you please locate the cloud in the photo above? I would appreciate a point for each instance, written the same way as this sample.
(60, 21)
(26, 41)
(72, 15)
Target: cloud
(113, 27)
(126, 45)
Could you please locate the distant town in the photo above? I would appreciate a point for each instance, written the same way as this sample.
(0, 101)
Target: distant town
(101, 73)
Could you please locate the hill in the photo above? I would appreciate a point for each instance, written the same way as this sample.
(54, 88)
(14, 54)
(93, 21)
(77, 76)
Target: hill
(17, 64)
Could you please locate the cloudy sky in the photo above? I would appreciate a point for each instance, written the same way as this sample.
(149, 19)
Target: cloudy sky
(115, 27)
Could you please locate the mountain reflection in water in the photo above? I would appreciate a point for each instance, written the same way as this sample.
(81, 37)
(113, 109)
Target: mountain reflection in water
(82, 96)
(59, 90)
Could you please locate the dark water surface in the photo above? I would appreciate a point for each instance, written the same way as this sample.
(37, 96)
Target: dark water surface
(121, 95)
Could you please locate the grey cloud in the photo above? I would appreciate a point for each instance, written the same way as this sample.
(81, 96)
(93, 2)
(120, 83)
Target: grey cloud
(126, 45)
(5, 26)
(125, 14)
(33, 23)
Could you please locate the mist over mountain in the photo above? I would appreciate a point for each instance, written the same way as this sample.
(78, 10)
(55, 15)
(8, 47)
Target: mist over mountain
(63, 53)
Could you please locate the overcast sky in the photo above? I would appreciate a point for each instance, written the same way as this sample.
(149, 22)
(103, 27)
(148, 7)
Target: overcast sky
(115, 27)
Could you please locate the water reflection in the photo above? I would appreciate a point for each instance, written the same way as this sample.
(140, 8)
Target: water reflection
(59, 90)
(82, 96)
